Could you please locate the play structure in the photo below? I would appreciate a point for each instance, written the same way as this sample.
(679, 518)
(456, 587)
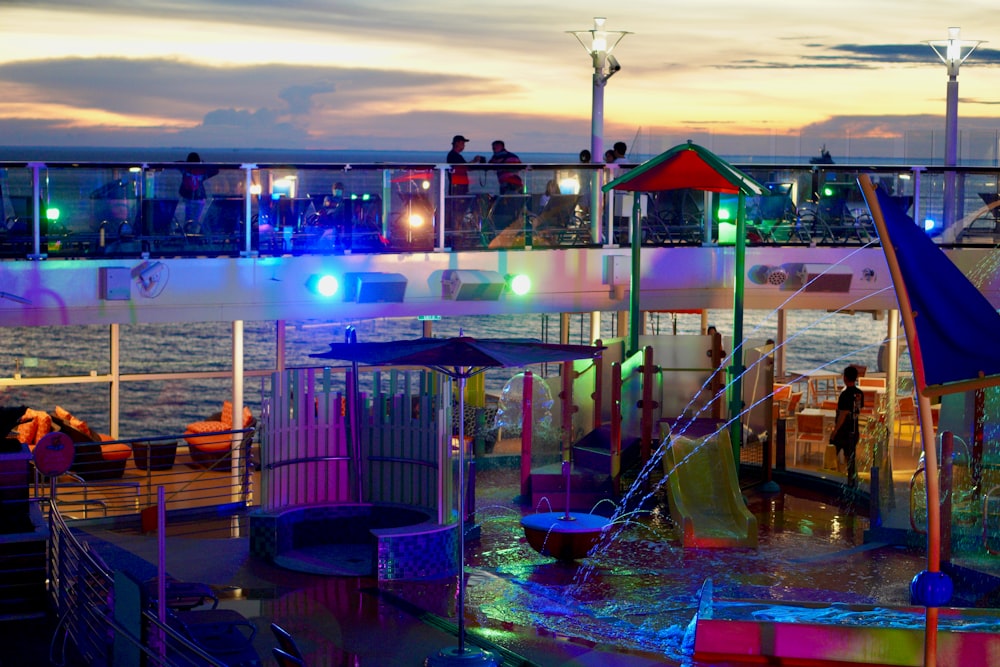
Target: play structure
(705, 498)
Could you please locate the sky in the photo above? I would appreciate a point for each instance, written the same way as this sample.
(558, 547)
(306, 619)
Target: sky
(755, 78)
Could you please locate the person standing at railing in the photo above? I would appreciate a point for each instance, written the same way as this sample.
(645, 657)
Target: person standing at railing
(620, 153)
(509, 179)
(459, 174)
(458, 191)
(192, 189)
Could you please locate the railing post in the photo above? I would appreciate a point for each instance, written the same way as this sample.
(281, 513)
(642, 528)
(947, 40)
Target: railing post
(947, 489)
(527, 389)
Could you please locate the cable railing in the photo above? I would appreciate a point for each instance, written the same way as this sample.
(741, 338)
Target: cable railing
(105, 613)
(211, 469)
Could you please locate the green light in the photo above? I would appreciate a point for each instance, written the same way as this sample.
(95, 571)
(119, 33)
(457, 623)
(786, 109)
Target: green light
(724, 214)
(520, 284)
(52, 213)
(727, 233)
(828, 192)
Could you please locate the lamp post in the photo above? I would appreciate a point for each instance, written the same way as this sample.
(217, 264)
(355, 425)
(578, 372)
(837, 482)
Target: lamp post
(599, 43)
(952, 52)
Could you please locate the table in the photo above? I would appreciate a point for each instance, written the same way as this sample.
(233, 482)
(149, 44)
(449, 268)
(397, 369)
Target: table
(820, 385)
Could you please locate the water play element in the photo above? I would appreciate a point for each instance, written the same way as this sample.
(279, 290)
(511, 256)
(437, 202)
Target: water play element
(564, 535)
(510, 405)
(705, 498)
(849, 634)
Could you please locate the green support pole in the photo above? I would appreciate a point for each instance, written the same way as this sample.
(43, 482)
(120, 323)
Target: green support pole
(633, 294)
(736, 365)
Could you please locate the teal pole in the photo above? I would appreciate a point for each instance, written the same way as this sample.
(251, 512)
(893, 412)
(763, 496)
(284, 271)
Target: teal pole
(736, 365)
(633, 294)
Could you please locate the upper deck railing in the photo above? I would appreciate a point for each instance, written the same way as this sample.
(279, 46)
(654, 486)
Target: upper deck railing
(91, 210)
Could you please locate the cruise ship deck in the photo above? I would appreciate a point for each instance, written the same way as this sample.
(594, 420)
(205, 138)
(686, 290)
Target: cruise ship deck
(108, 246)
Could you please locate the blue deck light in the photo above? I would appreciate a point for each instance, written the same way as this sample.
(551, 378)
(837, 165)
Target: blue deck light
(323, 284)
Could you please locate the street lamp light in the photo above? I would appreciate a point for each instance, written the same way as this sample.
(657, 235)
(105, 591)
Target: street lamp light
(599, 43)
(952, 52)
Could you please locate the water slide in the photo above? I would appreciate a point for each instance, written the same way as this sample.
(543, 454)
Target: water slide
(705, 498)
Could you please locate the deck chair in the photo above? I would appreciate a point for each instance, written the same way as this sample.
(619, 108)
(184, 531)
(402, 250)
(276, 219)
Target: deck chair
(286, 642)
(285, 659)
(834, 222)
(776, 216)
(222, 633)
(674, 218)
(809, 431)
(555, 220)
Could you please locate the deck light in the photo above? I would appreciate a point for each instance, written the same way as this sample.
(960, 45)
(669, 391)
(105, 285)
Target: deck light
(323, 284)
(519, 284)
(952, 52)
(599, 43)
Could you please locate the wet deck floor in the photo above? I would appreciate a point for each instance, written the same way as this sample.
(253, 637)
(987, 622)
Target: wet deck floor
(630, 604)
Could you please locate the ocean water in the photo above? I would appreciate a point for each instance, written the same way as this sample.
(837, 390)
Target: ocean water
(816, 339)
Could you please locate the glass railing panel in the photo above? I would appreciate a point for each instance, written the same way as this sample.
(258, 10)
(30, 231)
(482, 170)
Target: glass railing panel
(320, 209)
(193, 209)
(16, 239)
(28, 352)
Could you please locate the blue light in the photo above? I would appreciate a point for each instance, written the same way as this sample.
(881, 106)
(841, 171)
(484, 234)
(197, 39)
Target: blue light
(929, 224)
(324, 285)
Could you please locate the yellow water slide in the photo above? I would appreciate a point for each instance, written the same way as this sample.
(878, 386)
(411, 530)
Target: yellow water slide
(705, 498)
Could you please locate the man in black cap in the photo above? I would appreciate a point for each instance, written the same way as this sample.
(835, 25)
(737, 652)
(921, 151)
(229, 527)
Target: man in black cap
(459, 201)
(460, 175)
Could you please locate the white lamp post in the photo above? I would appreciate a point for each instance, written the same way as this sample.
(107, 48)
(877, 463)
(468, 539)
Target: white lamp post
(952, 52)
(599, 43)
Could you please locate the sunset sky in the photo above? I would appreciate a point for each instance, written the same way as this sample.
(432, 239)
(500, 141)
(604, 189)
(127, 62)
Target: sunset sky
(776, 75)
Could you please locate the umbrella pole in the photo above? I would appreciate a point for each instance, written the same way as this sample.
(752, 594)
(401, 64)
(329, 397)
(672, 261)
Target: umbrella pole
(461, 514)
(474, 657)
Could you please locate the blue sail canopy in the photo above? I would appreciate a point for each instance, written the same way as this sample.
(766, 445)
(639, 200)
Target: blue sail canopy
(956, 325)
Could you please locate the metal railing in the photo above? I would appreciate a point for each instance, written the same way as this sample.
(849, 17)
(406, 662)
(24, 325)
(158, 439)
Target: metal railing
(90, 210)
(192, 480)
(83, 590)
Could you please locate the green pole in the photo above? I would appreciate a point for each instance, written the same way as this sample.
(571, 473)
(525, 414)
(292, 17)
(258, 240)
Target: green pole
(736, 365)
(633, 294)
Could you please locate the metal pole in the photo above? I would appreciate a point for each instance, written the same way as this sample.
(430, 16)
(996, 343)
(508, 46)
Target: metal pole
(950, 150)
(596, 148)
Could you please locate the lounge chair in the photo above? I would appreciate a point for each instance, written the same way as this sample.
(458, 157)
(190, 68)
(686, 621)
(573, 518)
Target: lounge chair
(96, 456)
(285, 659)
(210, 441)
(286, 643)
(224, 634)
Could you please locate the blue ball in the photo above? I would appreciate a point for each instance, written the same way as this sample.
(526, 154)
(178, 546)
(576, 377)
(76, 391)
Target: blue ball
(931, 589)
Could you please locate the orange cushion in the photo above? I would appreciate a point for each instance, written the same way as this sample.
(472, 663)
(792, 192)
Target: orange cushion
(74, 422)
(32, 431)
(26, 432)
(115, 452)
(227, 415)
(210, 443)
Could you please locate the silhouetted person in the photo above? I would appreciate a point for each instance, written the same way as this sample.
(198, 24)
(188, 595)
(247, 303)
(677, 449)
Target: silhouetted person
(192, 189)
(847, 430)
(620, 152)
